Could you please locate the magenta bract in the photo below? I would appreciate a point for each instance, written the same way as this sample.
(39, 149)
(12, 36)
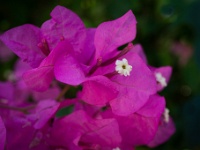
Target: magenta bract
(115, 102)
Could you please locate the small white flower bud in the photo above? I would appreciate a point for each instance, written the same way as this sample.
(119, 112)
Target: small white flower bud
(122, 67)
(160, 79)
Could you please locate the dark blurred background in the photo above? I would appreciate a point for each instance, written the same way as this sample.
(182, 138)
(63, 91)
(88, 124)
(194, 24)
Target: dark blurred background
(169, 32)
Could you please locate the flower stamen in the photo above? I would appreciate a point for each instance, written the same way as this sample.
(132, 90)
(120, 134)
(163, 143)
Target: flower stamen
(122, 53)
(43, 45)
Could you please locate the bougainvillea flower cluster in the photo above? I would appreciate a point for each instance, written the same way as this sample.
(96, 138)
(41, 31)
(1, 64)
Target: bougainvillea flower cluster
(117, 104)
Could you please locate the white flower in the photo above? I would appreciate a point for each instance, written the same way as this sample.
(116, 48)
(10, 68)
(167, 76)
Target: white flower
(122, 67)
(166, 115)
(117, 148)
(160, 79)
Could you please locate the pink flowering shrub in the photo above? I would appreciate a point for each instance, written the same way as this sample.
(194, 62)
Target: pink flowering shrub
(118, 106)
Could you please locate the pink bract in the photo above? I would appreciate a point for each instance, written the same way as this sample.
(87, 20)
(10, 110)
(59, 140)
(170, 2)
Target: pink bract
(24, 44)
(109, 110)
(2, 134)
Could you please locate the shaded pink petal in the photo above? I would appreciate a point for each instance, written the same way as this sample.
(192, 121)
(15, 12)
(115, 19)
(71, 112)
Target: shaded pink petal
(164, 132)
(67, 102)
(127, 147)
(44, 112)
(20, 133)
(77, 128)
(104, 132)
(62, 48)
(66, 131)
(6, 91)
(50, 93)
(22, 93)
(69, 70)
(2, 134)
(5, 53)
(112, 34)
(40, 78)
(128, 101)
(91, 110)
(86, 54)
(99, 90)
(139, 50)
(38, 144)
(20, 68)
(23, 41)
(64, 24)
(154, 107)
(139, 129)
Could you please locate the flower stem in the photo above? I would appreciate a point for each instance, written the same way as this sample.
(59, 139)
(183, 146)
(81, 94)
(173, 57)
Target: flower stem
(22, 109)
(62, 93)
(123, 52)
(94, 68)
(110, 61)
(110, 75)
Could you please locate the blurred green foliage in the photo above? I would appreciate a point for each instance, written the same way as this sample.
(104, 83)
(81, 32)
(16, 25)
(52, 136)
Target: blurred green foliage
(169, 33)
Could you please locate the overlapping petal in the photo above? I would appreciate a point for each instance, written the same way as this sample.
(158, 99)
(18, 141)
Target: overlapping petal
(64, 24)
(128, 101)
(140, 128)
(40, 78)
(45, 72)
(139, 50)
(47, 107)
(68, 70)
(2, 134)
(20, 133)
(112, 34)
(23, 41)
(5, 53)
(99, 90)
(154, 107)
(86, 55)
(6, 91)
(66, 131)
(164, 132)
(103, 132)
(78, 128)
